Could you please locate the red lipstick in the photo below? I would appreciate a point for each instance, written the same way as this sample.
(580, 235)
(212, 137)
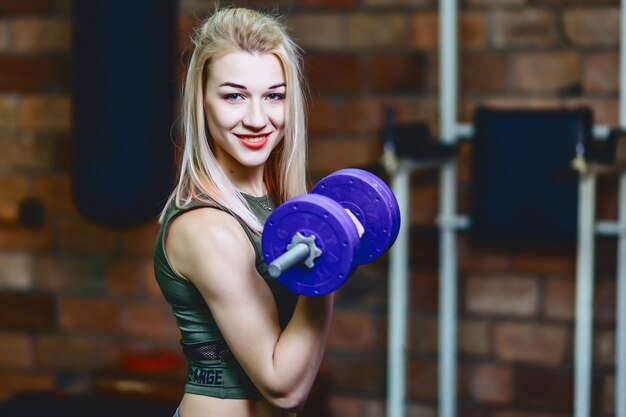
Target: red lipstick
(254, 141)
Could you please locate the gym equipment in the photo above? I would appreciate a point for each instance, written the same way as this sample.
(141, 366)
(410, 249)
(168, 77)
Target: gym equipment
(311, 243)
(124, 90)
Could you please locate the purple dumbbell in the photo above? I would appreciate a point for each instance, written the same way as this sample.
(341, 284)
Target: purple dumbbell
(311, 243)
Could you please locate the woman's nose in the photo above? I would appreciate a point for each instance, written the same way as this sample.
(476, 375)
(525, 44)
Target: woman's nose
(255, 117)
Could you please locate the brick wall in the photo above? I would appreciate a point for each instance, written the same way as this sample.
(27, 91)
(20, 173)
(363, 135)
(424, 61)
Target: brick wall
(75, 298)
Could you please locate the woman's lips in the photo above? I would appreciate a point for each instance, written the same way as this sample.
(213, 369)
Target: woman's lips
(254, 141)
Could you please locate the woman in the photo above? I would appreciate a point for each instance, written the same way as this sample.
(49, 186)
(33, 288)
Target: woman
(253, 348)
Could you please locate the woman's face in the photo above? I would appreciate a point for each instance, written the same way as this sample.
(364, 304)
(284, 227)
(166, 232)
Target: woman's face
(245, 107)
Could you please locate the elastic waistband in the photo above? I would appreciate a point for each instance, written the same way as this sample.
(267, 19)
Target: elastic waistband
(218, 376)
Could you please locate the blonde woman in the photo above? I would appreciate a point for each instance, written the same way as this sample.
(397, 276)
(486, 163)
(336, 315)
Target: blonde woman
(253, 348)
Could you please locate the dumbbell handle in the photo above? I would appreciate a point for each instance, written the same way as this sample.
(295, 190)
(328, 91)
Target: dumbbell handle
(295, 255)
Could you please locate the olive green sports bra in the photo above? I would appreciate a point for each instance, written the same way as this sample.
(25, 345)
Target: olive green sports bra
(212, 369)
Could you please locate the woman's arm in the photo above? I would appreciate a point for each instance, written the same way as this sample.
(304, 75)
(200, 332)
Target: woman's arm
(209, 247)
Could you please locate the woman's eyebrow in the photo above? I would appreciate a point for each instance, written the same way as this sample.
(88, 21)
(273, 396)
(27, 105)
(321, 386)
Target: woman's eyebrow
(241, 87)
(277, 86)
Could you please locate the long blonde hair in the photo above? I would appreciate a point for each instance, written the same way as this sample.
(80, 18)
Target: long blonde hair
(200, 177)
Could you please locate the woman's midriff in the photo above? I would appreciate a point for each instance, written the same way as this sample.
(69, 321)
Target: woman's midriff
(193, 405)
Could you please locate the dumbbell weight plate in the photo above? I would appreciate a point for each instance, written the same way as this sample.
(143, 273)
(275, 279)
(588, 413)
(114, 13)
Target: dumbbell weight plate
(335, 234)
(373, 204)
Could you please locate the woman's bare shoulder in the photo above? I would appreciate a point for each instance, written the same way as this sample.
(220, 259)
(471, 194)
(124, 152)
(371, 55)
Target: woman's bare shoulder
(204, 235)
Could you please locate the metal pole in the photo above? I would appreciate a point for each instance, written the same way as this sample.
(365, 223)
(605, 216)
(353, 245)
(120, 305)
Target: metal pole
(398, 300)
(447, 211)
(620, 320)
(584, 296)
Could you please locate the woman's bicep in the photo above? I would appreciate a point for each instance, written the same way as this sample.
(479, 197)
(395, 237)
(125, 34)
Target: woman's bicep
(220, 261)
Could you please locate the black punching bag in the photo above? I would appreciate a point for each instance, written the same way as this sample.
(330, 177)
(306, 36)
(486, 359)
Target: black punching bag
(124, 57)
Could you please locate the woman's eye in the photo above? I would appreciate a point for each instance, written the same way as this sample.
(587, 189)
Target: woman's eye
(232, 96)
(275, 96)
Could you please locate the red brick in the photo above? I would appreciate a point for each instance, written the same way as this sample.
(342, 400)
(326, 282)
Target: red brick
(373, 31)
(423, 376)
(140, 239)
(366, 115)
(40, 35)
(329, 4)
(601, 72)
(424, 287)
(17, 271)
(65, 274)
(26, 153)
(560, 299)
(329, 155)
(351, 331)
(468, 107)
(13, 189)
(153, 321)
(323, 116)
(423, 336)
(546, 262)
(472, 30)
(604, 302)
(424, 30)
(581, 26)
(17, 382)
(526, 414)
(474, 257)
(358, 375)
(54, 191)
(498, 3)
(545, 388)
(608, 394)
(185, 26)
(77, 235)
(318, 31)
(492, 384)
(546, 72)
(507, 295)
(67, 352)
(483, 73)
(420, 410)
(33, 73)
(9, 112)
(398, 3)
(123, 277)
(424, 204)
(526, 28)
(530, 343)
(21, 7)
(605, 110)
(16, 350)
(146, 276)
(45, 113)
(395, 73)
(473, 338)
(13, 237)
(102, 317)
(328, 73)
(345, 406)
(604, 347)
(26, 311)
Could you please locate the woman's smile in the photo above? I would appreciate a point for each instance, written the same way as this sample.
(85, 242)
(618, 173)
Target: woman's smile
(254, 141)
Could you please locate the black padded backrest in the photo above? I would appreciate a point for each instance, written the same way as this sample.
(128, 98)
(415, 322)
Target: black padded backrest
(523, 188)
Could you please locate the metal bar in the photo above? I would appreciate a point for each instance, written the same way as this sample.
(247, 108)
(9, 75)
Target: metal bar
(447, 209)
(584, 296)
(620, 320)
(466, 131)
(398, 300)
(608, 228)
